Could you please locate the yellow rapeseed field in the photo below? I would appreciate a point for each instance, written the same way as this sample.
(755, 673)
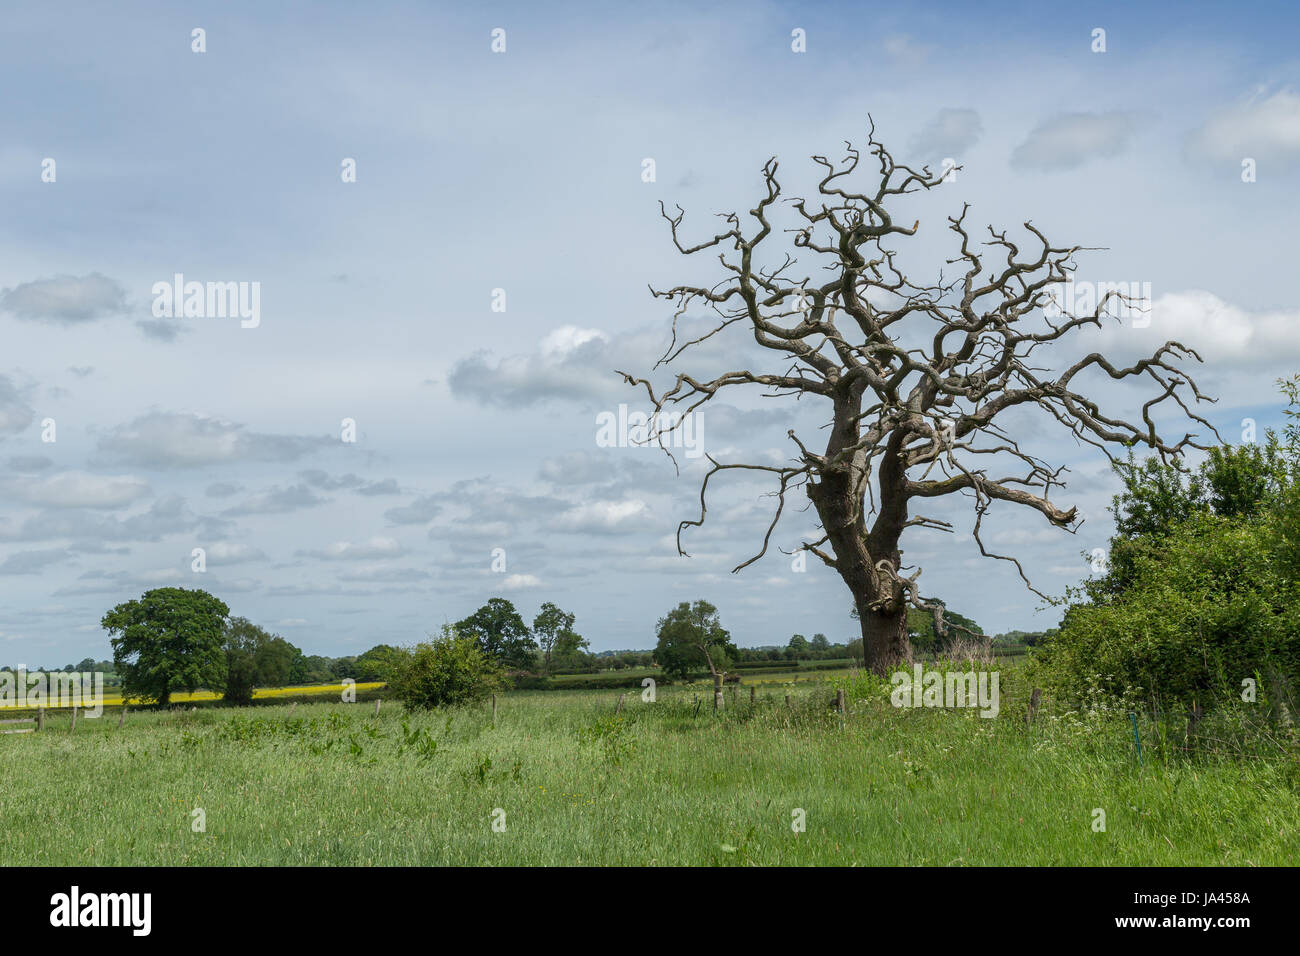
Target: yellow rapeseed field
(114, 700)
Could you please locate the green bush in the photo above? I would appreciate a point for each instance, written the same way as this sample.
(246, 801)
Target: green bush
(1202, 590)
(446, 672)
(1203, 608)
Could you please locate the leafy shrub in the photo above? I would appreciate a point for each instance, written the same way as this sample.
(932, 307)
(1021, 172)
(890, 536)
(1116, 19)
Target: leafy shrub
(1203, 607)
(609, 734)
(861, 686)
(446, 672)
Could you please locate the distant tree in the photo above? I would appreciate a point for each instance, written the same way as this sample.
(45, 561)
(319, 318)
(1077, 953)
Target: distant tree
(377, 664)
(501, 633)
(312, 669)
(254, 658)
(819, 644)
(169, 640)
(560, 644)
(275, 662)
(691, 635)
(449, 670)
(571, 651)
(921, 632)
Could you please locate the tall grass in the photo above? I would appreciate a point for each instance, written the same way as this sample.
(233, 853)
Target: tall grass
(663, 783)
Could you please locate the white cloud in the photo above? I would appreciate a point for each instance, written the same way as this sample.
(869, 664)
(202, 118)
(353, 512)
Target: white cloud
(1069, 140)
(65, 300)
(78, 489)
(517, 582)
(1265, 128)
(602, 516)
(377, 547)
(226, 552)
(179, 440)
(569, 338)
(569, 363)
(1219, 331)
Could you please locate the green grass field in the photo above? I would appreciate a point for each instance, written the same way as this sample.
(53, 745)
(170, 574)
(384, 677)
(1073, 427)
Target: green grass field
(660, 783)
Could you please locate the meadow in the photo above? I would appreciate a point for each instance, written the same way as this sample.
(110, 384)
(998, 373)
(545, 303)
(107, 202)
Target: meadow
(560, 778)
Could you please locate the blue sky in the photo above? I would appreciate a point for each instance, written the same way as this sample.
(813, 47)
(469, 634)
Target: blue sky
(522, 171)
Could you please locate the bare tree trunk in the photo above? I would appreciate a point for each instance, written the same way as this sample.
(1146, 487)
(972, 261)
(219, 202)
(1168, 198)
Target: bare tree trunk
(879, 598)
(717, 677)
(885, 644)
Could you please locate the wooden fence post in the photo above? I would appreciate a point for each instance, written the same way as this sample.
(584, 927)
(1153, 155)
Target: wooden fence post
(752, 689)
(839, 700)
(619, 708)
(787, 700)
(40, 719)
(378, 701)
(122, 718)
(494, 709)
(74, 718)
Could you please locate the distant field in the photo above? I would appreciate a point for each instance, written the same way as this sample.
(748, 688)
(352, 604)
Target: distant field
(265, 693)
(667, 782)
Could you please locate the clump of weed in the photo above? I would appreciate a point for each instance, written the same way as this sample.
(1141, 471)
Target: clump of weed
(609, 734)
(419, 740)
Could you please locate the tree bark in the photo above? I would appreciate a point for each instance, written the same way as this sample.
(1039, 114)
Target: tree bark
(885, 644)
(717, 676)
(880, 600)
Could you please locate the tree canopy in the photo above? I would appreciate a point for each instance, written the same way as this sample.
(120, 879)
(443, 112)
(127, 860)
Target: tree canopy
(560, 644)
(691, 637)
(170, 639)
(255, 658)
(501, 633)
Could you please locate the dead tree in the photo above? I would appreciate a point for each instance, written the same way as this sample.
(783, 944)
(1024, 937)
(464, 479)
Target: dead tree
(913, 376)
